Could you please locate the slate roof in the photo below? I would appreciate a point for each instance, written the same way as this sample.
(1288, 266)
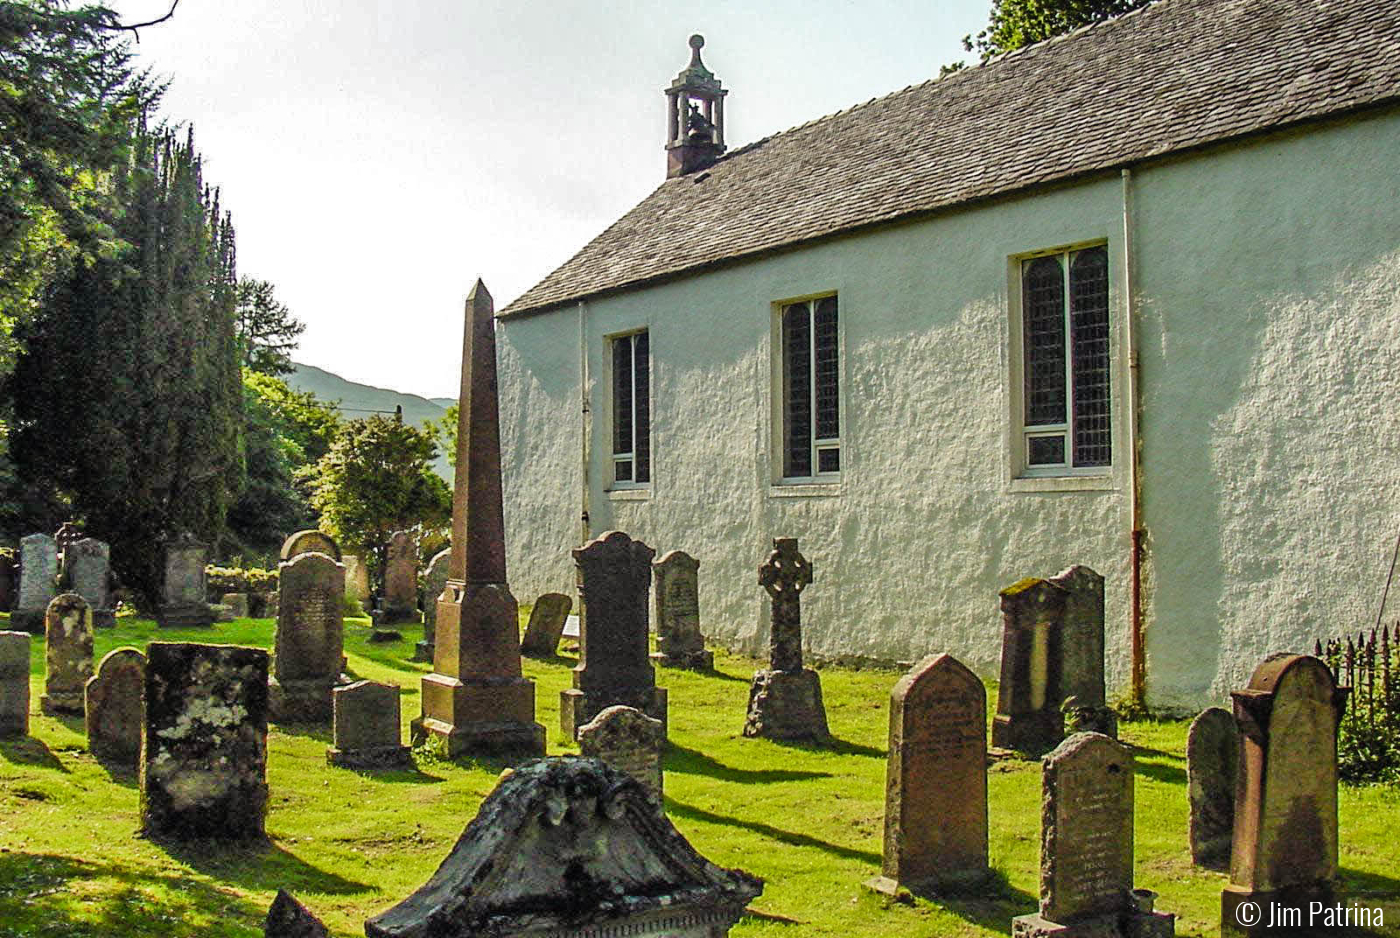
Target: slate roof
(1172, 76)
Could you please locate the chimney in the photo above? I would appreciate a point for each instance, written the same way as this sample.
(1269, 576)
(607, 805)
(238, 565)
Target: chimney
(694, 117)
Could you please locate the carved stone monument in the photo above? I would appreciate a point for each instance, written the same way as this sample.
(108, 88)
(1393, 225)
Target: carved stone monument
(366, 729)
(67, 655)
(399, 602)
(616, 867)
(785, 699)
(310, 639)
(546, 626)
(183, 601)
(88, 568)
(14, 684)
(1086, 848)
(614, 665)
(676, 612)
(476, 698)
(204, 754)
(627, 739)
(38, 569)
(936, 782)
(434, 581)
(1031, 690)
(310, 541)
(1283, 855)
(115, 714)
(1212, 773)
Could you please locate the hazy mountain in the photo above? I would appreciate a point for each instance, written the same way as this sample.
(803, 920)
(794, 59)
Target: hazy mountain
(360, 400)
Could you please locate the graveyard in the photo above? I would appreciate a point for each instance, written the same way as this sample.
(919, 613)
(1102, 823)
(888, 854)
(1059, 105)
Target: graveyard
(806, 817)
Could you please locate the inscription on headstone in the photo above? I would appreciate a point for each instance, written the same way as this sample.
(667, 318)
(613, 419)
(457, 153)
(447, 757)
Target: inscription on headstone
(1031, 690)
(1212, 770)
(115, 712)
(310, 638)
(627, 739)
(14, 684)
(546, 626)
(366, 727)
(68, 654)
(184, 603)
(89, 571)
(676, 612)
(38, 569)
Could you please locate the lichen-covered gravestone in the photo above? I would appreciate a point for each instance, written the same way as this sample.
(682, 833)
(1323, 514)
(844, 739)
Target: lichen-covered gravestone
(366, 727)
(676, 612)
(546, 625)
(1031, 690)
(1212, 770)
(1086, 848)
(571, 847)
(183, 601)
(308, 542)
(614, 668)
(627, 739)
(115, 713)
(785, 699)
(400, 602)
(310, 638)
(38, 568)
(434, 581)
(14, 684)
(204, 753)
(936, 782)
(89, 569)
(1283, 855)
(67, 654)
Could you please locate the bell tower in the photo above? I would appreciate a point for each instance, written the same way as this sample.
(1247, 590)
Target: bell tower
(694, 116)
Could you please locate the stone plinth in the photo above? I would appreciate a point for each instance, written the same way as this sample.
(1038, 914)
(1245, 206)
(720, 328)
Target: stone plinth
(115, 710)
(434, 581)
(676, 613)
(67, 654)
(366, 728)
(38, 570)
(627, 739)
(1031, 691)
(183, 602)
(1212, 774)
(786, 705)
(309, 649)
(546, 626)
(14, 684)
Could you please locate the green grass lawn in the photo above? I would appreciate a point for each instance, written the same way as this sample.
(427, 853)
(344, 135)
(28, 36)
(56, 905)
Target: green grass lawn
(807, 819)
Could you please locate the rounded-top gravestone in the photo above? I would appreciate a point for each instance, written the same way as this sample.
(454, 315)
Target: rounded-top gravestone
(114, 707)
(310, 541)
(68, 654)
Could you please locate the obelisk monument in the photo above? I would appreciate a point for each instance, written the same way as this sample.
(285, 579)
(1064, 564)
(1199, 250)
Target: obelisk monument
(475, 698)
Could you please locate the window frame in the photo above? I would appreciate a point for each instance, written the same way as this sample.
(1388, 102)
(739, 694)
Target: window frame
(817, 480)
(614, 457)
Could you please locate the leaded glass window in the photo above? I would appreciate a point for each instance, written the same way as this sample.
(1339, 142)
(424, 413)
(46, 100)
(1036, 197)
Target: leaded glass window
(631, 411)
(811, 389)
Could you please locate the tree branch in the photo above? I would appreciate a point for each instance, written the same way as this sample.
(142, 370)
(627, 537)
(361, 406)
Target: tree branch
(132, 28)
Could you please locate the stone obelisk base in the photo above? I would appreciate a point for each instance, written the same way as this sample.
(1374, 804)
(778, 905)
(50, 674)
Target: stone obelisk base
(786, 705)
(482, 717)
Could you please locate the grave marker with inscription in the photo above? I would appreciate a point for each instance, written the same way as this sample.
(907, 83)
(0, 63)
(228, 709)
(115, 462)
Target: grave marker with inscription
(87, 564)
(184, 603)
(1082, 673)
(400, 597)
(676, 613)
(627, 739)
(115, 712)
(1031, 690)
(367, 729)
(546, 626)
(67, 655)
(38, 569)
(785, 699)
(1212, 770)
(310, 541)
(310, 638)
(14, 684)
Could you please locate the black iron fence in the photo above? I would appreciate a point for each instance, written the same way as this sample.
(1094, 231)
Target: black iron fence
(1368, 740)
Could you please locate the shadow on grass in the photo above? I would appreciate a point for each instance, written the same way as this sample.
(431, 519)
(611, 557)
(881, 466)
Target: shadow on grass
(394, 655)
(317, 731)
(1358, 883)
(681, 809)
(119, 773)
(996, 902)
(717, 675)
(258, 864)
(30, 751)
(834, 745)
(680, 759)
(414, 775)
(1162, 773)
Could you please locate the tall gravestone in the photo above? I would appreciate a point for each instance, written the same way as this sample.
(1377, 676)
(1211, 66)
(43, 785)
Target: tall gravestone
(1212, 770)
(627, 739)
(183, 595)
(88, 566)
(114, 707)
(204, 751)
(356, 578)
(785, 699)
(1283, 854)
(936, 781)
(434, 582)
(676, 612)
(399, 601)
(617, 866)
(1031, 691)
(1086, 848)
(310, 638)
(614, 665)
(546, 625)
(308, 542)
(38, 569)
(14, 684)
(476, 699)
(366, 727)
(1082, 646)
(67, 654)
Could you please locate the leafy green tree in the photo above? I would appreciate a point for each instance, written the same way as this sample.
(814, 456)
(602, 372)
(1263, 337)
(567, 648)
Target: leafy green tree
(377, 479)
(446, 429)
(1016, 23)
(267, 332)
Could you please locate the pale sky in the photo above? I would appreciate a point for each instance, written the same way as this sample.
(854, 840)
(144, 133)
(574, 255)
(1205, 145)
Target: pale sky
(378, 157)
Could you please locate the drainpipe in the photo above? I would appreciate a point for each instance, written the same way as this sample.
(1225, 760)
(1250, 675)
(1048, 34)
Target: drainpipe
(585, 436)
(1137, 688)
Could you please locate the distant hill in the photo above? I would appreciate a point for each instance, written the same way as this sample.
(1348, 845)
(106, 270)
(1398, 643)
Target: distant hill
(361, 400)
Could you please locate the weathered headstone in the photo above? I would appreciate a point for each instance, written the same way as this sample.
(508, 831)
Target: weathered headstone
(1283, 854)
(366, 730)
(310, 638)
(1082, 673)
(1086, 848)
(356, 578)
(785, 699)
(618, 866)
(936, 781)
(237, 604)
(114, 707)
(400, 597)
(204, 753)
(1031, 690)
(14, 684)
(676, 612)
(38, 569)
(288, 918)
(307, 542)
(88, 567)
(1212, 770)
(546, 626)
(8, 582)
(477, 700)
(67, 654)
(627, 739)
(183, 600)
(614, 666)
(434, 582)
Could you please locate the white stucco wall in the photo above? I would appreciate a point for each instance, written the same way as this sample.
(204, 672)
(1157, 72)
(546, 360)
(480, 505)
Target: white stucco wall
(1265, 295)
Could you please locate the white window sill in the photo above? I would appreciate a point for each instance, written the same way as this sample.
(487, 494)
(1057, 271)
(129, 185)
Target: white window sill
(1094, 483)
(628, 495)
(804, 489)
